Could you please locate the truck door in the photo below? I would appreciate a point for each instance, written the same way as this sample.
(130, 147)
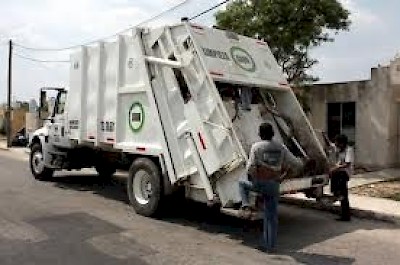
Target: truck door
(58, 130)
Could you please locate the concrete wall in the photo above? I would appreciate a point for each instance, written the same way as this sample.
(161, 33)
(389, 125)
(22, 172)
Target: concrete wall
(373, 123)
(377, 113)
(32, 122)
(394, 69)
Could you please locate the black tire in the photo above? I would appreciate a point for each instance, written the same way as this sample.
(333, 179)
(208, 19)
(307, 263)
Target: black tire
(105, 170)
(145, 172)
(38, 173)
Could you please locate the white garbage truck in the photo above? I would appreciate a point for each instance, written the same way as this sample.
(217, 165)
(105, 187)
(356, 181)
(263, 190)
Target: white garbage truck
(178, 107)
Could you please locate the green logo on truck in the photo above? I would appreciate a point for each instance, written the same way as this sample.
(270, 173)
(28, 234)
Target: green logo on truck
(243, 59)
(136, 117)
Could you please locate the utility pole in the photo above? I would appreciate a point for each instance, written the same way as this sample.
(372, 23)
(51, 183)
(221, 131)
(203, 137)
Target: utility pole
(9, 93)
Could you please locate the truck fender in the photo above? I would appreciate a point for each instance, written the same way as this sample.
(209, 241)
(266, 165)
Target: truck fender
(39, 136)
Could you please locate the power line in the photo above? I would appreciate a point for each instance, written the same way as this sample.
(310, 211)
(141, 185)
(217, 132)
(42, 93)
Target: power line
(209, 10)
(161, 14)
(39, 60)
(106, 37)
(39, 64)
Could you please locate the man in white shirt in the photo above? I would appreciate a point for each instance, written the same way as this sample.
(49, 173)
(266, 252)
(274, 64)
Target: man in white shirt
(340, 174)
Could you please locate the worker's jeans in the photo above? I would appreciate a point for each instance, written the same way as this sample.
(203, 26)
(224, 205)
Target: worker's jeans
(339, 180)
(270, 191)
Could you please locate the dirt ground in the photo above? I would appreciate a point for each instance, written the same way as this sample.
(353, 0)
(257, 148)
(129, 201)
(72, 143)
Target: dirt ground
(387, 190)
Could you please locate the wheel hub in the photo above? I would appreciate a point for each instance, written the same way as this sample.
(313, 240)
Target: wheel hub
(37, 162)
(142, 188)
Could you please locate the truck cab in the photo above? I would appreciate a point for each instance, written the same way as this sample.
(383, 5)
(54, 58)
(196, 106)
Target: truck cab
(51, 134)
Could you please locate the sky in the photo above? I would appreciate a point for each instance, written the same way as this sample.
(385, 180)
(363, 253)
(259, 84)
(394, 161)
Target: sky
(373, 38)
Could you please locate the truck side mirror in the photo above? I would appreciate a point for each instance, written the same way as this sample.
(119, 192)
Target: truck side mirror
(43, 108)
(43, 99)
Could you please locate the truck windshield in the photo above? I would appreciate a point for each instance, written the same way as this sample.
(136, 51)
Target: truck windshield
(60, 102)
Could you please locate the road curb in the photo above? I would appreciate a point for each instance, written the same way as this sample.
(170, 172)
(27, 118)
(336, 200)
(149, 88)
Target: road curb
(360, 213)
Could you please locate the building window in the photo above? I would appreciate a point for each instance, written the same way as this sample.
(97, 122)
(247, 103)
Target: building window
(342, 120)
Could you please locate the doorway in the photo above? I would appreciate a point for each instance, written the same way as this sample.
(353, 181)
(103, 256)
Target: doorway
(342, 120)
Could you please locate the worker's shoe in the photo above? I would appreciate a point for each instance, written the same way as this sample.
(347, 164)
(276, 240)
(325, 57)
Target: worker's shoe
(266, 250)
(343, 219)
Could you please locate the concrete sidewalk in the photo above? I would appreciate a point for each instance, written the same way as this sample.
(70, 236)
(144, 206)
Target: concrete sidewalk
(362, 206)
(370, 178)
(22, 150)
(374, 177)
(3, 146)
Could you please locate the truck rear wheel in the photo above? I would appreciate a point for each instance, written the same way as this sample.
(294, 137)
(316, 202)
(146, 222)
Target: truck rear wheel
(36, 161)
(144, 187)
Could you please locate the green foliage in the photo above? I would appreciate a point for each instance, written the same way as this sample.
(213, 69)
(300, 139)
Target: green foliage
(291, 28)
(396, 197)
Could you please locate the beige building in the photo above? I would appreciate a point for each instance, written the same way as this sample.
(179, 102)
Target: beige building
(367, 111)
(18, 119)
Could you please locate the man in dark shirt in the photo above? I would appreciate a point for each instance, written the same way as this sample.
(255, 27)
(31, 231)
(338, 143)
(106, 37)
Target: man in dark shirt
(268, 159)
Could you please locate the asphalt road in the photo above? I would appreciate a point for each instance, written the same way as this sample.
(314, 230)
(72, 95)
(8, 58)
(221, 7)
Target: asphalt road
(76, 219)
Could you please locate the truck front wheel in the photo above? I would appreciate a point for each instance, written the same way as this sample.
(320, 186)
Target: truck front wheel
(36, 161)
(144, 186)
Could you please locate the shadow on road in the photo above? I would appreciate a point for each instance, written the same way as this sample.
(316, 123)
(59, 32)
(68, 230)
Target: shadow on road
(113, 188)
(72, 238)
(298, 228)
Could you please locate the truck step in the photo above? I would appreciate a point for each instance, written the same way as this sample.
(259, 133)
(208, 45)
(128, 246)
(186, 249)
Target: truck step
(58, 153)
(236, 213)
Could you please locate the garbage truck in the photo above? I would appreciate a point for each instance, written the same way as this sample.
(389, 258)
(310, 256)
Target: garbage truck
(177, 107)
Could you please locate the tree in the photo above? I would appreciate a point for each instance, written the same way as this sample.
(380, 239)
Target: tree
(291, 28)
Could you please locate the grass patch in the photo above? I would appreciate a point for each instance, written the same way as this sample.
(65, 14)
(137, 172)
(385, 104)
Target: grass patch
(396, 197)
(387, 190)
